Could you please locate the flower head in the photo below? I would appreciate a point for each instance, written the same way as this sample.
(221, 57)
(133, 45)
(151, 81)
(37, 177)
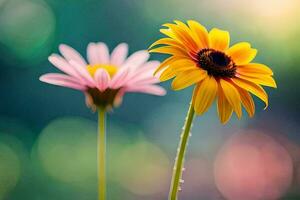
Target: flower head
(205, 59)
(105, 78)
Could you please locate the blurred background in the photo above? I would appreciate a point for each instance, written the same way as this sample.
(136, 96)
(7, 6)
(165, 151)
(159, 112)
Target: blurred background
(48, 135)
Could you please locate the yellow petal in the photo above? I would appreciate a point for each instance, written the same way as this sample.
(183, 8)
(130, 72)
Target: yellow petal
(167, 41)
(185, 61)
(255, 89)
(179, 69)
(247, 101)
(241, 53)
(169, 50)
(205, 95)
(232, 95)
(224, 108)
(254, 68)
(184, 64)
(192, 35)
(184, 27)
(167, 74)
(261, 79)
(200, 33)
(183, 36)
(167, 62)
(219, 39)
(169, 33)
(188, 78)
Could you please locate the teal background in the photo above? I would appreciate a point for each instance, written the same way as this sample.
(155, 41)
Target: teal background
(48, 135)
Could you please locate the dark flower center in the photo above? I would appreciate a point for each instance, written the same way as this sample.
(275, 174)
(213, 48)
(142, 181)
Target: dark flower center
(102, 99)
(216, 63)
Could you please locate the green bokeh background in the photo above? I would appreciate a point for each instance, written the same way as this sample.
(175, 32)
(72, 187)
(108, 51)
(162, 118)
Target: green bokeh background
(48, 135)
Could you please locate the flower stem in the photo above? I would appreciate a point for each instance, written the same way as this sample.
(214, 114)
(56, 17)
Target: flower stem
(101, 154)
(178, 167)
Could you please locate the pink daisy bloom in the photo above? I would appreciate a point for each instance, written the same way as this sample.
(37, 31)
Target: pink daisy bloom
(105, 78)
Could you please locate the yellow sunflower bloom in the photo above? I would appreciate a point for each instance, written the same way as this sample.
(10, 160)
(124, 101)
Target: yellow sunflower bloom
(205, 59)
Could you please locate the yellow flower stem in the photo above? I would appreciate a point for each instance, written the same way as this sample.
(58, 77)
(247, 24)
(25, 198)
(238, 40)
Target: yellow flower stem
(178, 167)
(101, 157)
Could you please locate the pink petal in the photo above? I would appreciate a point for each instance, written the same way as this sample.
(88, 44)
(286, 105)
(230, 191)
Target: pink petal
(145, 71)
(150, 89)
(71, 54)
(150, 66)
(120, 78)
(83, 73)
(93, 54)
(102, 79)
(62, 65)
(62, 80)
(119, 97)
(137, 59)
(119, 54)
(103, 53)
(144, 81)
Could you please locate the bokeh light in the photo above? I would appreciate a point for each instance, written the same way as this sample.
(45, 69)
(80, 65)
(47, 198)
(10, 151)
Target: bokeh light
(17, 131)
(253, 166)
(147, 171)
(9, 169)
(26, 29)
(198, 180)
(2, 2)
(67, 151)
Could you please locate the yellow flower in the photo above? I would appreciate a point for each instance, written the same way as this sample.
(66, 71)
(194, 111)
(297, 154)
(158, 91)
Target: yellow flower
(205, 59)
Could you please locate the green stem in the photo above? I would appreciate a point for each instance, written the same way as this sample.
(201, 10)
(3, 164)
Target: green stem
(101, 154)
(178, 167)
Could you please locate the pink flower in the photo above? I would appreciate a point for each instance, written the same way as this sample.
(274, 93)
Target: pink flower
(106, 77)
